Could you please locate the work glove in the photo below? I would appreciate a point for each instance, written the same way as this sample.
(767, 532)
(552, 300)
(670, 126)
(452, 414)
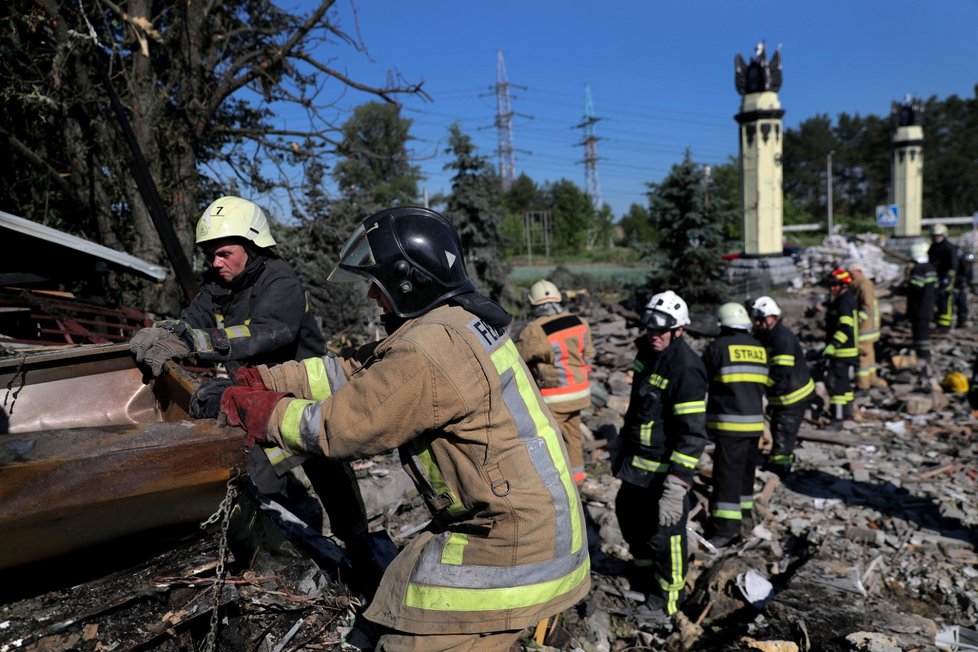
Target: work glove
(251, 409)
(167, 347)
(829, 350)
(249, 377)
(671, 501)
(144, 339)
(205, 402)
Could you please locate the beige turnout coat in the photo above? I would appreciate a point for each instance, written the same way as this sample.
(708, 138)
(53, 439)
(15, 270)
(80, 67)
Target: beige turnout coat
(558, 350)
(507, 543)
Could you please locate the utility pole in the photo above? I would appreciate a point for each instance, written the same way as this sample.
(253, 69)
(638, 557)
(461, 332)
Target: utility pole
(504, 125)
(591, 182)
(828, 192)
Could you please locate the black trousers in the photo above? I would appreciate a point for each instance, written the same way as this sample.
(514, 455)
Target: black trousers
(838, 383)
(659, 553)
(734, 461)
(785, 423)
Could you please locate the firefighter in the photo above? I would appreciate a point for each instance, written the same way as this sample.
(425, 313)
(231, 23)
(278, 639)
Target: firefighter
(662, 439)
(921, 298)
(869, 326)
(842, 344)
(943, 254)
(964, 281)
(252, 309)
(790, 388)
(737, 370)
(557, 348)
(506, 546)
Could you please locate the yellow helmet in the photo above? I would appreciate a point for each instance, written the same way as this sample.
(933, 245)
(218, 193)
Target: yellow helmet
(234, 217)
(955, 382)
(543, 291)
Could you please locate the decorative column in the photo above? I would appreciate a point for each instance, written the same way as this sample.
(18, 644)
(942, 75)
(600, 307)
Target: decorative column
(761, 192)
(907, 165)
(761, 139)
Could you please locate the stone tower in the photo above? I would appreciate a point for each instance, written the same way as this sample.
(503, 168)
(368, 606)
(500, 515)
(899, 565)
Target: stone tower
(907, 165)
(761, 194)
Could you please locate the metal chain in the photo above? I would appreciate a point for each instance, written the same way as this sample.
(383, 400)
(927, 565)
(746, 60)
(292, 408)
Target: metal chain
(224, 514)
(10, 385)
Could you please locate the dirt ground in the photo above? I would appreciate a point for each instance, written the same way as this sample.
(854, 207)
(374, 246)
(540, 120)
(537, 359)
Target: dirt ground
(870, 544)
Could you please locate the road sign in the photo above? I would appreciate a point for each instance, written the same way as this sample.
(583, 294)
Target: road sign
(887, 215)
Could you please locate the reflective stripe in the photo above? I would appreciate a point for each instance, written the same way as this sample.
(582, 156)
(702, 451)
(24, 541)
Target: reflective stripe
(729, 511)
(317, 379)
(684, 460)
(784, 359)
(782, 459)
(429, 467)
(727, 379)
(542, 443)
(735, 427)
(658, 381)
(674, 585)
(690, 407)
(848, 320)
(793, 397)
(560, 395)
(446, 598)
(645, 433)
(201, 340)
(237, 331)
(454, 547)
(277, 455)
(746, 503)
(293, 421)
(650, 465)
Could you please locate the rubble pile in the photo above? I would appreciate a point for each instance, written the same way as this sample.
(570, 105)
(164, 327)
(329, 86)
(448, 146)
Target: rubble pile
(870, 544)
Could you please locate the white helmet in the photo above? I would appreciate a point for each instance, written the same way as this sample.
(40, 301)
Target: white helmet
(765, 307)
(543, 291)
(666, 310)
(919, 252)
(234, 217)
(733, 315)
(938, 229)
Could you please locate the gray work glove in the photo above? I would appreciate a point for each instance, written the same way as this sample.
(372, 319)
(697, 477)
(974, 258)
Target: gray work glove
(170, 347)
(144, 339)
(671, 501)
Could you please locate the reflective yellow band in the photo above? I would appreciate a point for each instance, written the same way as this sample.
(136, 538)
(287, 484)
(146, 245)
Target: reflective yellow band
(440, 598)
(735, 427)
(692, 407)
(291, 422)
(317, 379)
(234, 332)
(684, 460)
(743, 378)
(649, 465)
(454, 547)
(784, 359)
(793, 397)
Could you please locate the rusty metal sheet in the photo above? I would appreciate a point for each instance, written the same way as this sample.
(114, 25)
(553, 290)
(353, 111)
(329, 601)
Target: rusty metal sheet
(65, 489)
(86, 386)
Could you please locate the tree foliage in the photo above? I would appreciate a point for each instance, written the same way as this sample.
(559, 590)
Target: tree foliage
(474, 207)
(691, 235)
(203, 84)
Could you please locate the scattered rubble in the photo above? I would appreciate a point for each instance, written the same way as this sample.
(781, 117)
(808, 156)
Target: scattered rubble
(870, 544)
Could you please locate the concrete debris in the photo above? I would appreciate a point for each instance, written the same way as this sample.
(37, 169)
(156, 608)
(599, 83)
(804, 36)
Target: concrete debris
(869, 544)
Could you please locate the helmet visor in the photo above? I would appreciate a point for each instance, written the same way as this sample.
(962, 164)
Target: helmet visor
(356, 253)
(659, 320)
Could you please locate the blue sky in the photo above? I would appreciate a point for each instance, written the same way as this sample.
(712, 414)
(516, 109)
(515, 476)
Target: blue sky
(661, 73)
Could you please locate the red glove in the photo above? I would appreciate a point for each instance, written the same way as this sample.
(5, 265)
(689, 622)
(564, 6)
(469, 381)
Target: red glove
(250, 408)
(249, 377)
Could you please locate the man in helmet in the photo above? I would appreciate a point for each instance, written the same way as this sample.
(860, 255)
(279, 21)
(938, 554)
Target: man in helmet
(737, 368)
(507, 545)
(869, 326)
(964, 281)
(842, 344)
(557, 348)
(943, 254)
(252, 309)
(790, 388)
(662, 438)
(921, 292)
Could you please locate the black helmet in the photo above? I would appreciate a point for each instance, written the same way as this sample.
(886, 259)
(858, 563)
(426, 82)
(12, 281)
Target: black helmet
(413, 254)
